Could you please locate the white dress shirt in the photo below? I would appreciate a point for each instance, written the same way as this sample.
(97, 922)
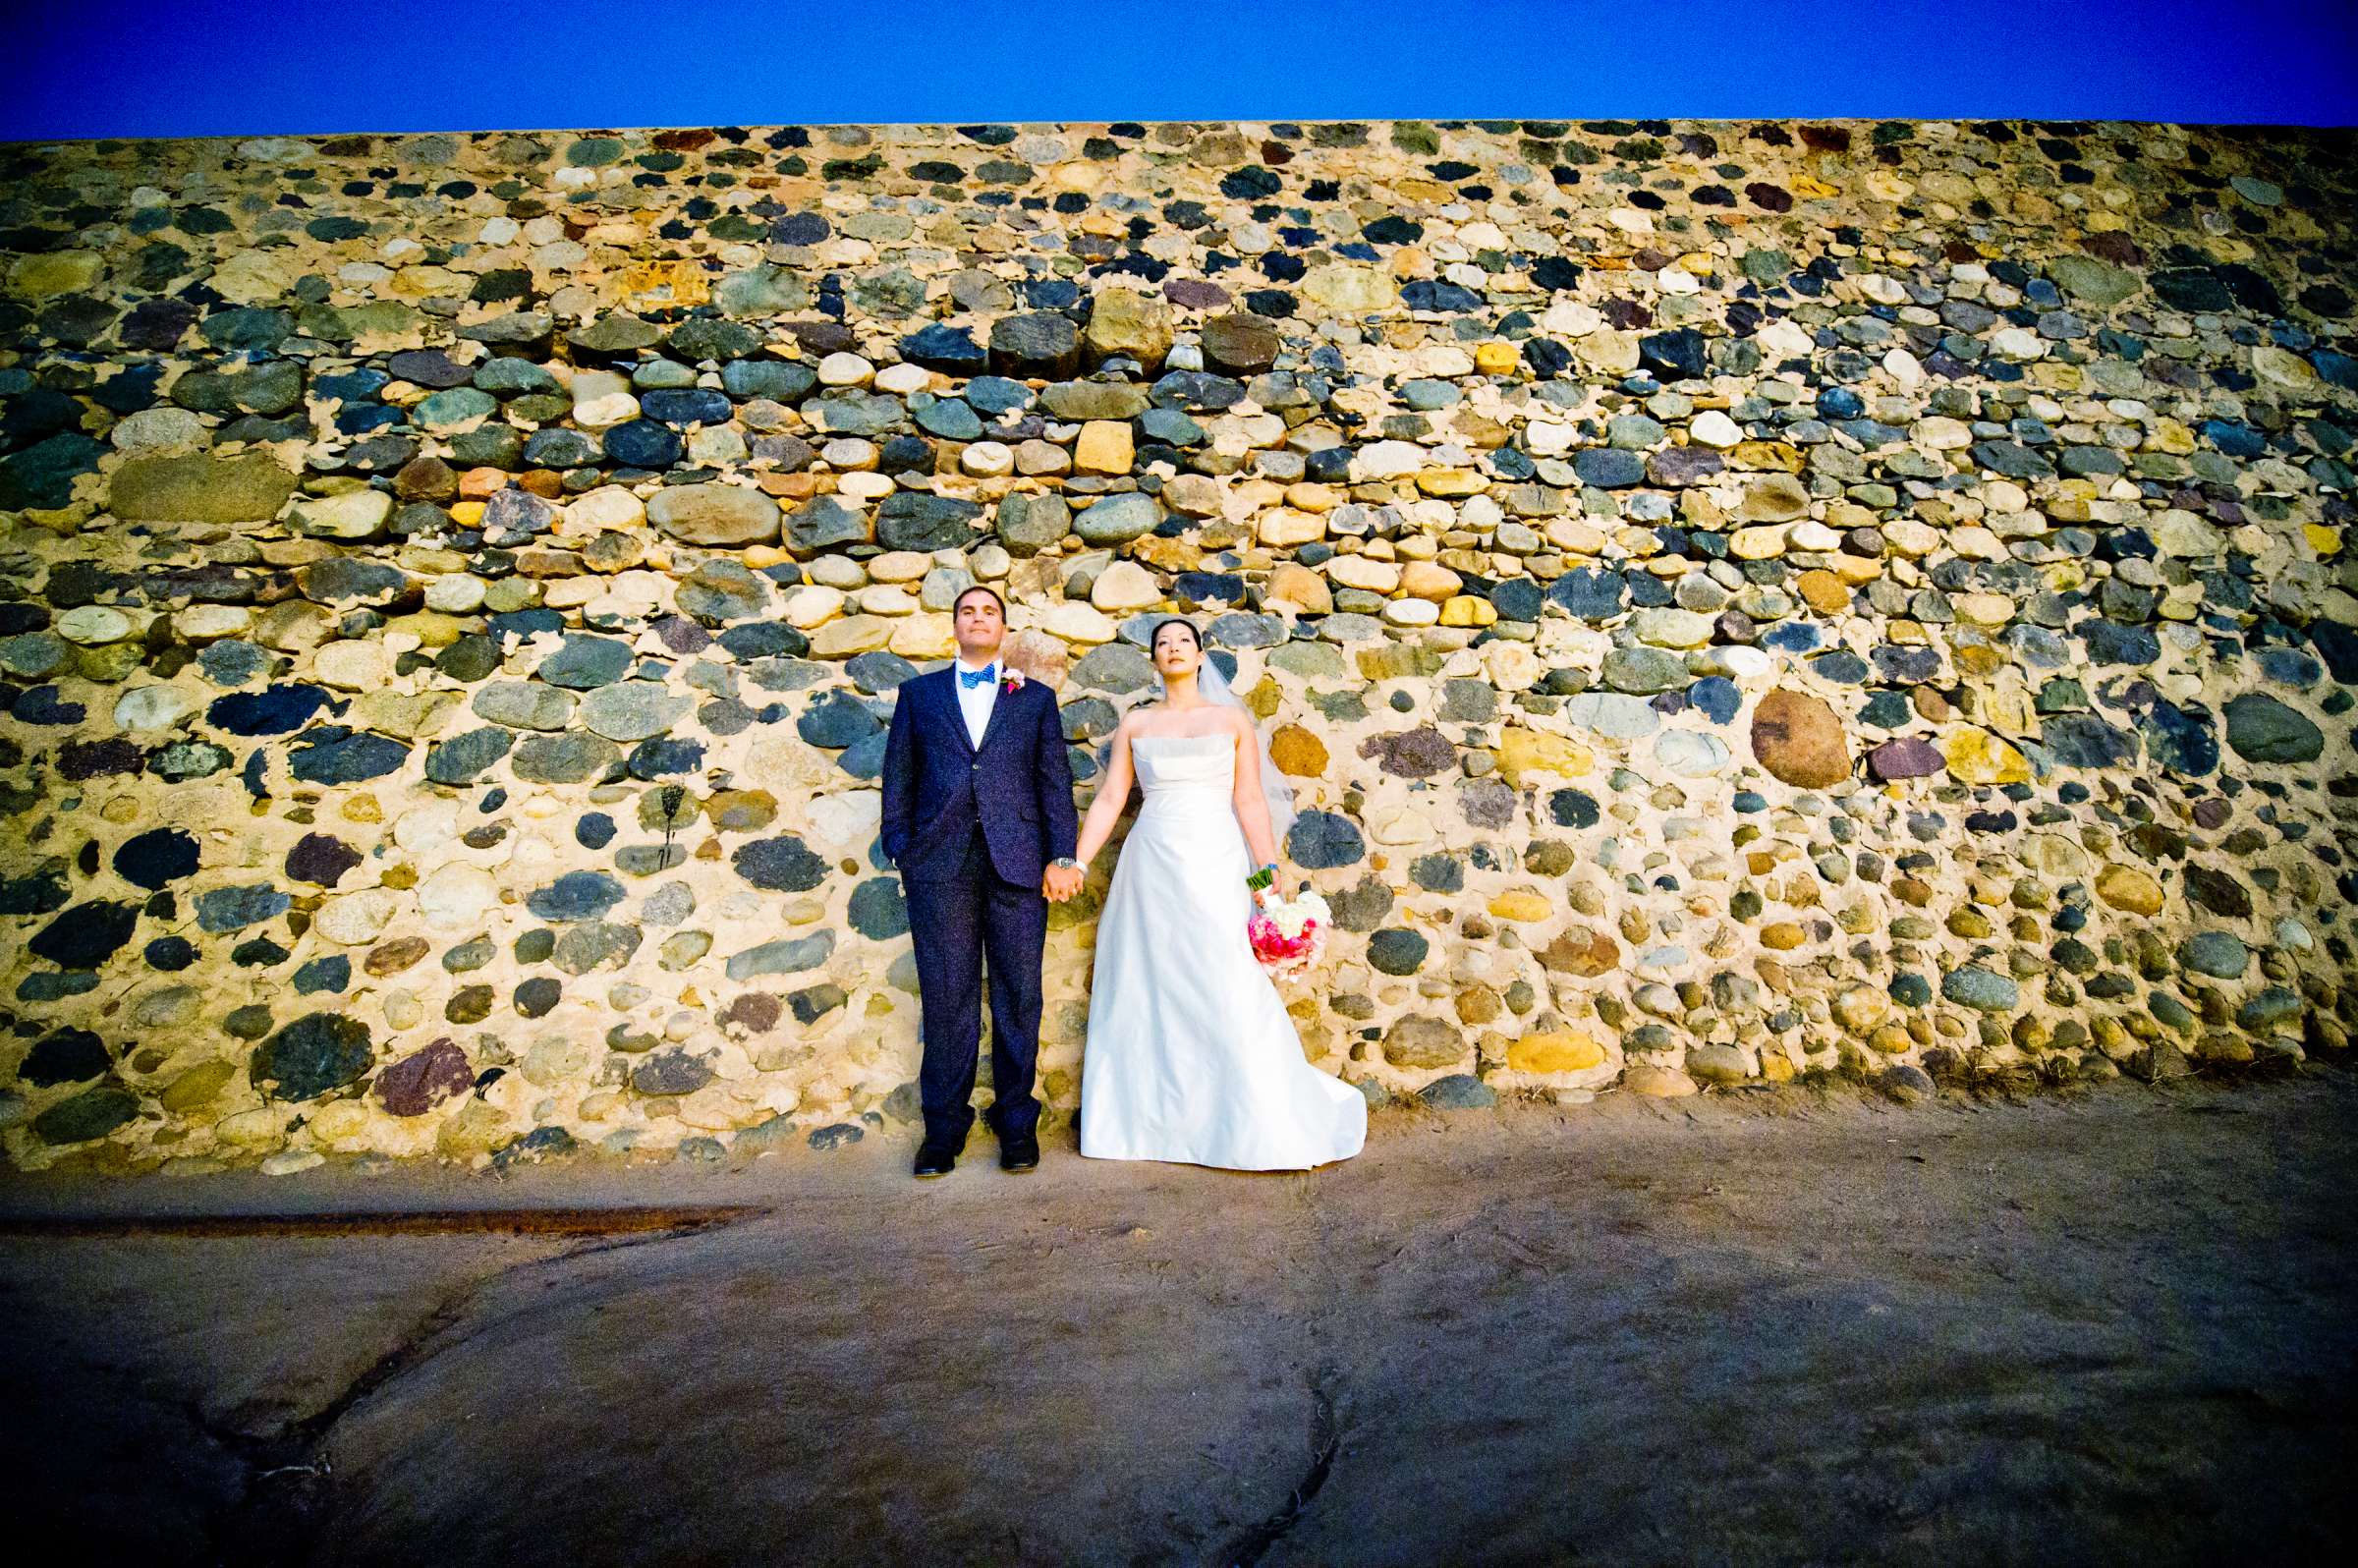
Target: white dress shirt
(975, 701)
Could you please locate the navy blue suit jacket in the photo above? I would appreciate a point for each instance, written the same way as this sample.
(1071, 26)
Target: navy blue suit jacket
(1018, 784)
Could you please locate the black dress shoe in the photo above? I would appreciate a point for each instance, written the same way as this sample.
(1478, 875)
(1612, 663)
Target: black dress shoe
(935, 1159)
(1020, 1152)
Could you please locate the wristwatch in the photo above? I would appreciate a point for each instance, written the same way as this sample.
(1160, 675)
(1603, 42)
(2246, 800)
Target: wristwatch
(1065, 862)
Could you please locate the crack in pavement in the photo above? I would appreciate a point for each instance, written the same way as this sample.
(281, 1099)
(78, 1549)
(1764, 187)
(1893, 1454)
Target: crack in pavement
(1325, 1438)
(290, 1473)
(1315, 1267)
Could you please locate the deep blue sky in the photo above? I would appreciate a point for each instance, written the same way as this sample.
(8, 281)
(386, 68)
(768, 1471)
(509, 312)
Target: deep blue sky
(97, 67)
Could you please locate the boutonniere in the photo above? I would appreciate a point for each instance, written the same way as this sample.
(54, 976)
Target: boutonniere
(1011, 680)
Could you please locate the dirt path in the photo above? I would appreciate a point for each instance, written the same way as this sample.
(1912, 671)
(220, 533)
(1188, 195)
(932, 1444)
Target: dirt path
(1742, 1331)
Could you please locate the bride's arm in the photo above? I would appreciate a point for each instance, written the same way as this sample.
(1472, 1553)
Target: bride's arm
(1252, 805)
(1112, 795)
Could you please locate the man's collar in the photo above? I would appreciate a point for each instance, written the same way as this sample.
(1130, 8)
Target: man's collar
(960, 662)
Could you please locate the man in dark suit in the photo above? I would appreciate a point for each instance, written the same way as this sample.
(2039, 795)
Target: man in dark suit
(979, 821)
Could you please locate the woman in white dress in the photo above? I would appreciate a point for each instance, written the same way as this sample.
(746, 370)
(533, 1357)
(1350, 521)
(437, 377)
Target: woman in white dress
(1191, 1056)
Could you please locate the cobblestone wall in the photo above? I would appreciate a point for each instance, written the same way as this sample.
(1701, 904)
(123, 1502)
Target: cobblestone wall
(1737, 601)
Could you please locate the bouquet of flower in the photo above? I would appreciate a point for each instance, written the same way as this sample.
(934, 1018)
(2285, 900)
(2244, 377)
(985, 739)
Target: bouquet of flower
(1288, 936)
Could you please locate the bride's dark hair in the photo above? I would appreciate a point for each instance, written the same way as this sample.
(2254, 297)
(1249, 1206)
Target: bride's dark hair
(1156, 636)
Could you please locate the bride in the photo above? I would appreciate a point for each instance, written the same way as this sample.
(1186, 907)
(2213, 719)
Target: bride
(1191, 1056)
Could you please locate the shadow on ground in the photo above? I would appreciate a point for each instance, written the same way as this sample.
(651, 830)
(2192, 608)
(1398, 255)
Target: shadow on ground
(2119, 1328)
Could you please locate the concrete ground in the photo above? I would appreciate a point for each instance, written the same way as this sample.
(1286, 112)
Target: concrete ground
(1761, 1329)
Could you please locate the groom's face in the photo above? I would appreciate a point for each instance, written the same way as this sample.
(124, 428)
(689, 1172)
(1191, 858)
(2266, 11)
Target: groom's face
(978, 626)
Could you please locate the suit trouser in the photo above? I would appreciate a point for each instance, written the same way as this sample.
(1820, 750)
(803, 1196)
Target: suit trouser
(956, 922)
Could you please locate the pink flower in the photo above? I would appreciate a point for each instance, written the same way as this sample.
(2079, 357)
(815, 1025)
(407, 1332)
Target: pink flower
(1011, 679)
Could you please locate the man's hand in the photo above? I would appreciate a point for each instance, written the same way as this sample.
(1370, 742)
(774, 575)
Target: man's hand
(1059, 883)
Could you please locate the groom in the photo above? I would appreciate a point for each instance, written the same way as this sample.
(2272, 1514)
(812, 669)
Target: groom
(979, 819)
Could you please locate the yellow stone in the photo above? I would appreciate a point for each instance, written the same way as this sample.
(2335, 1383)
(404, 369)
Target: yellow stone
(340, 1121)
(474, 1130)
(1826, 593)
(1450, 482)
(1297, 752)
(1299, 586)
(38, 276)
(431, 628)
(679, 282)
(1430, 580)
(1561, 1050)
(1464, 609)
(2125, 887)
(1521, 904)
(1657, 1083)
(196, 1086)
(1784, 936)
(1496, 359)
(925, 637)
(1522, 750)
(853, 633)
(1765, 455)
(1104, 447)
(467, 514)
(1812, 189)
(1283, 527)
(1977, 757)
(1343, 289)
(2322, 539)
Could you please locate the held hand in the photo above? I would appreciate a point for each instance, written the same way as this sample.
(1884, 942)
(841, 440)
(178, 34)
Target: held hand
(1060, 883)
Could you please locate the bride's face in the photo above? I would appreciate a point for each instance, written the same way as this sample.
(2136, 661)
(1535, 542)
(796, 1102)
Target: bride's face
(1176, 653)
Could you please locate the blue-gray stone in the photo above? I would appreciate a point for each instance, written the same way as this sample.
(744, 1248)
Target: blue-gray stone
(908, 519)
(231, 909)
(2082, 740)
(1591, 593)
(330, 973)
(1118, 519)
(2180, 740)
(1397, 951)
(582, 662)
(315, 1055)
(2261, 729)
(91, 1114)
(949, 418)
(572, 757)
(877, 910)
(1458, 1092)
(777, 380)
(836, 720)
(335, 754)
(942, 347)
(787, 956)
(574, 896)
(782, 865)
(460, 758)
(273, 711)
(644, 444)
(1979, 989)
(1609, 467)
(150, 860)
(864, 414)
(2221, 954)
(1324, 841)
(686, 405)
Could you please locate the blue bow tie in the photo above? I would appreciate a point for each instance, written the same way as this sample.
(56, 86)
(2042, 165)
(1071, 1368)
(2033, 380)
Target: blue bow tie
(978, 677)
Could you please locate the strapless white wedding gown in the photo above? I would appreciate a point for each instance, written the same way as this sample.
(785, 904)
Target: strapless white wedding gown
(1191, 1056)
